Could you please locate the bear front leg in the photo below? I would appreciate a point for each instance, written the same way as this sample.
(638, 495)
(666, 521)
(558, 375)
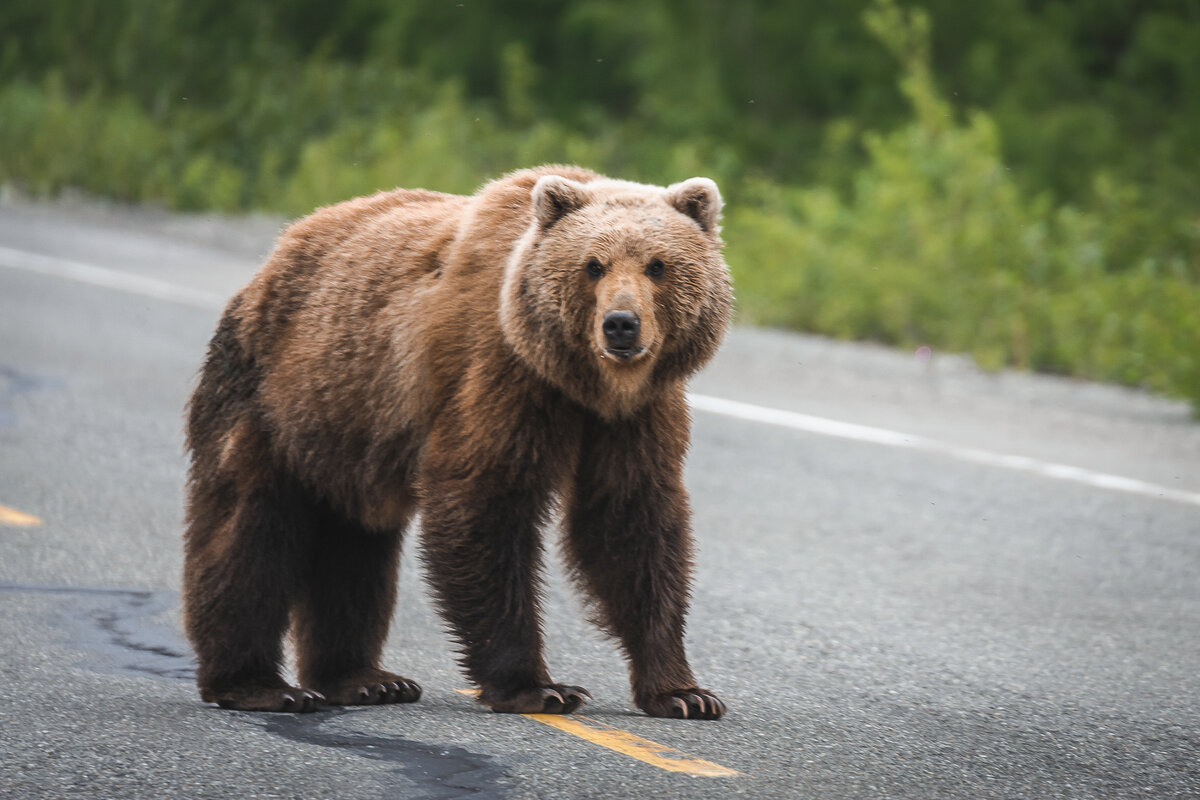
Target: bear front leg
(482, 551)
(629, 544)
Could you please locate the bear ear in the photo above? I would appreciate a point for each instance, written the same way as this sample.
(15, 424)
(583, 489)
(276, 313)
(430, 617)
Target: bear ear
(699, 199)
(554, 197)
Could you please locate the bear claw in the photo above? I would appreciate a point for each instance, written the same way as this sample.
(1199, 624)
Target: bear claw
(287, 699)
(556, 698)
(306, 701)
(380, 688)
(685, 704)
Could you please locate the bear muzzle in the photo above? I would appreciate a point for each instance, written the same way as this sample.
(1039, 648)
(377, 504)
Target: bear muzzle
(621, 329)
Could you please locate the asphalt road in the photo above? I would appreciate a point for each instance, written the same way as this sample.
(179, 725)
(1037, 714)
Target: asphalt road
(883, 621)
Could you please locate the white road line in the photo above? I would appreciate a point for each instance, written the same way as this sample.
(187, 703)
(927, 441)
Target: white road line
(110, 279)
(864, 433)
(198, 298)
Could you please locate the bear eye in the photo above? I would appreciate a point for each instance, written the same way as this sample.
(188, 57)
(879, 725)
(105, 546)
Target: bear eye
(594, 269)
(655, 268)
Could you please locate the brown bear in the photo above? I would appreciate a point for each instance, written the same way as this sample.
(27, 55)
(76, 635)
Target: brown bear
(486, 361)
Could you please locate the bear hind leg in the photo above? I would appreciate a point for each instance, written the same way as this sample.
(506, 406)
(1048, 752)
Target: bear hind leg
(240, 572)
(341, 617)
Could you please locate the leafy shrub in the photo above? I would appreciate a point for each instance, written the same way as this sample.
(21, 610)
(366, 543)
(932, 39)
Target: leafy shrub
(937, 244)
(1054, 228)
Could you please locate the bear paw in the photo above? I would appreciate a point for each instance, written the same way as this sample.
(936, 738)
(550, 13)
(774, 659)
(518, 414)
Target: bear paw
(684, 704)
(370, 688)
(557, 698)
(262, 698)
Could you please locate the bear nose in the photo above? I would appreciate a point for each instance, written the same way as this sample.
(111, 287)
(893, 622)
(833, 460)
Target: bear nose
(621, 329)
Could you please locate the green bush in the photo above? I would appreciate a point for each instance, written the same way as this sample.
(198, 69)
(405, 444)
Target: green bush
(1046, 218)
(938, 245)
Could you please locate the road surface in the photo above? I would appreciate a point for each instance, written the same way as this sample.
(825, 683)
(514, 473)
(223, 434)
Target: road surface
(983, 586)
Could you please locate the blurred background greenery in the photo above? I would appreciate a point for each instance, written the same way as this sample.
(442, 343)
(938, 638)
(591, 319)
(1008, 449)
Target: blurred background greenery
(1014, 179)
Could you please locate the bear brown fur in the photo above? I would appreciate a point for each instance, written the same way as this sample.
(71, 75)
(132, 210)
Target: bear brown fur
(484, 360)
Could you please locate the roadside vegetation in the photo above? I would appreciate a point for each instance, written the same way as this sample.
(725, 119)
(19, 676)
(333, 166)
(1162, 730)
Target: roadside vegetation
(1014, 179)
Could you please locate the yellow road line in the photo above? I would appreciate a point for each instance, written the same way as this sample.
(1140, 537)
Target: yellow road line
(625, 742)
(628, 744)
(10, 516)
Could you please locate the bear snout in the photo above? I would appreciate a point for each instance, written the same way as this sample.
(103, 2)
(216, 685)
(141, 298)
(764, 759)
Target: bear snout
(621, 332)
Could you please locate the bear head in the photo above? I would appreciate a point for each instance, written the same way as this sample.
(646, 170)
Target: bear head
(616, 288)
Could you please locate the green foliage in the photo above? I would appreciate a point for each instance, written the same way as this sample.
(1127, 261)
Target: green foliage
(1028, 190)
(114, 147)
(938, 244)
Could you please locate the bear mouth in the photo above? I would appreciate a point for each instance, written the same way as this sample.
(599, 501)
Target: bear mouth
(624, 354)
